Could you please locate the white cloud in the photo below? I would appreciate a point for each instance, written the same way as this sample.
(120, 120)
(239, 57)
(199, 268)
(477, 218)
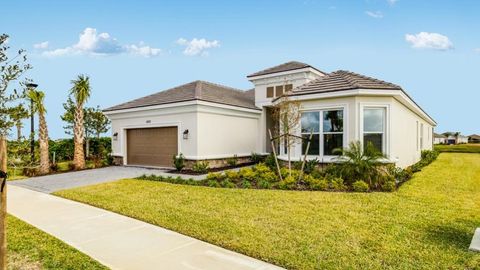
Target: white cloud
(91, 43)
(392, 2)
(374, 14)
(425, 40)
(197, 46)
(477, 50)
(41, 45)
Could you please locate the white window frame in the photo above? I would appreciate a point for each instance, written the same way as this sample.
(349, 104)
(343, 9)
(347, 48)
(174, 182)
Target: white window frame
(321, 110)
(386, 125)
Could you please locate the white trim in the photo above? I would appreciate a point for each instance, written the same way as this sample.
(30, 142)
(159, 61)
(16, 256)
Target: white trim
(180, 104)
(283, 73)
(220, 156)
(123, 143)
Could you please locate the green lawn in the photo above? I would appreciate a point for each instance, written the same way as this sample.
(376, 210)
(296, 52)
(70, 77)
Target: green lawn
(427, 224)
(30, 248)
(458, 148)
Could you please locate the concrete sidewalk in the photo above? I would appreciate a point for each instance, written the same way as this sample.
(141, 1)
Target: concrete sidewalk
(475, 245)
(121, 242)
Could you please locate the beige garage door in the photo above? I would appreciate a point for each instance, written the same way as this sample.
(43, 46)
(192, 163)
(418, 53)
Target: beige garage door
(152, 146)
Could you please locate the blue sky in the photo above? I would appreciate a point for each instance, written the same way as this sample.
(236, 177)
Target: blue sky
(134, 48)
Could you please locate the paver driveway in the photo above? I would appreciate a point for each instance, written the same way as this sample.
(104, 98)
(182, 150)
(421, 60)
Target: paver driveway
(55, 182)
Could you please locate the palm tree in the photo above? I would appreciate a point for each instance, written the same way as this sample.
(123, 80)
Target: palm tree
(37, 98)
(80, 92)
(17, 114)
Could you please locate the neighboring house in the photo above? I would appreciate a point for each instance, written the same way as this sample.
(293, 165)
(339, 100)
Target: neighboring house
(439, 138)
(455, 138)
(474, 138)
(206, 121)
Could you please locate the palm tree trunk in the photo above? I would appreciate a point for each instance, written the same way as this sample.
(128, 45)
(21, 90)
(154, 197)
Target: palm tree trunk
(78, 139)
(43, 141)
(19, 130)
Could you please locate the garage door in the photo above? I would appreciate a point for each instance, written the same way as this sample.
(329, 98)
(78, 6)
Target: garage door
(152, 146)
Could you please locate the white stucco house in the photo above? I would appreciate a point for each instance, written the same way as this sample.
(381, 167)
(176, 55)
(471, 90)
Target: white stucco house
(207, 121)
(439, 138)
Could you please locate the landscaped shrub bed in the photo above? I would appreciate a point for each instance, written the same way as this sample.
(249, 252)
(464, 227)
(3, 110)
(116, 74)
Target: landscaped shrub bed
(335, 177)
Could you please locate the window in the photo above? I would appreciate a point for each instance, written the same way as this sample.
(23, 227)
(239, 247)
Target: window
(310, 123)
(421, 135)
(327, 134)
(288, 88)
(374, 127)
(270, 92)
(278, 90)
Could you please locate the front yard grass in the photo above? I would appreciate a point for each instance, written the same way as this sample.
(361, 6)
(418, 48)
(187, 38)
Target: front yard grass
(30, 248)
(427, 224)
(458, 148)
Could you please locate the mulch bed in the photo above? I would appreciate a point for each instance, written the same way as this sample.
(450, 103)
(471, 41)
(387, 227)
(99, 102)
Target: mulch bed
(191, 172)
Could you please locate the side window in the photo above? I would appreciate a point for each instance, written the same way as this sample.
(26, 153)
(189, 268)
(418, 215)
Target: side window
(374, 127)
(270, 92)
(278, 90)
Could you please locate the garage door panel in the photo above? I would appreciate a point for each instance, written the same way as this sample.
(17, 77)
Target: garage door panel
(152, 146)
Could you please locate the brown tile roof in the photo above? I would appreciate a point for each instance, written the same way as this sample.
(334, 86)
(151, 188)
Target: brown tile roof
(474, 136)
(342, 80)
(292, 65)
(436, 135)
(197, 90)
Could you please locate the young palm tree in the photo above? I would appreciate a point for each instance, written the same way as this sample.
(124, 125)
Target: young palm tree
(80, 92)
(37, 97)
(17, 114)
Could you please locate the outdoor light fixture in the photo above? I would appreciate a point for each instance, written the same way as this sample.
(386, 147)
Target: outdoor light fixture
(115, 136)
(185, 134)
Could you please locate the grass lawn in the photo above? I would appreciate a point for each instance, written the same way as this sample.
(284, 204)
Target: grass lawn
(427, 224)
(30, 248)
(458, 148)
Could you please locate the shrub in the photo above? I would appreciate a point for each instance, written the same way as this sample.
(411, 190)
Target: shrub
(232, 175)
(270, 162)
(256, 158)
(337, 184)
(179, 162)
(213, 183)
(309, 167)
(200, 167)
(288, 182)
(318, 184)
(215, 176)
(247, 174)
(232, 161)
(360, 186)
(71, 166)
(246, 184)
(389, 186)
(264, 184)
(30, 171)
(228, 184)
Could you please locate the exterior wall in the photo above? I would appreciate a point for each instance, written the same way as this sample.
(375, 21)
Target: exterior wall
(215, 132)
(223, 133)
(406, 129)
(402, 145)
(184, 117)
(439, 140)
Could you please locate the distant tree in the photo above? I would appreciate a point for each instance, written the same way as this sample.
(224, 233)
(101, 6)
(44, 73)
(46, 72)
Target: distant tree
(39, 107)
(17, 114)
(80, 92)
(96, 122)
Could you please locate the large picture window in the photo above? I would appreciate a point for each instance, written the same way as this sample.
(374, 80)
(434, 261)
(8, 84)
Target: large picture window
(374, 127)
(327, 133)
